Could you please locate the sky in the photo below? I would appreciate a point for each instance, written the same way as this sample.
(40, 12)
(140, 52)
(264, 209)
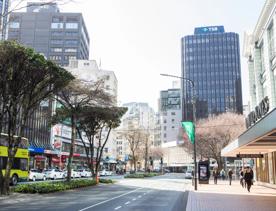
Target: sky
(139, 39)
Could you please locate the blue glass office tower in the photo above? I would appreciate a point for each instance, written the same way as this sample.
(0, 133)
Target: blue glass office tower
(211, 58)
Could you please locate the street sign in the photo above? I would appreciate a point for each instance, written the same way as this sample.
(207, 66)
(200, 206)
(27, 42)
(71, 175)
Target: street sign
(250, 155)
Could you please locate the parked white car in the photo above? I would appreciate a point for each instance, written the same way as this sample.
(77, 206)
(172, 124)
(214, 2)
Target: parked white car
(54, 174)
(188, 175)
(85, 173)
(74, 174)
(36, 175)
(105, 173)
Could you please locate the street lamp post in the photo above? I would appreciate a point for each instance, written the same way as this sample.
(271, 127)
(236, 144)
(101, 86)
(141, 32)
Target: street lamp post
(194, 119)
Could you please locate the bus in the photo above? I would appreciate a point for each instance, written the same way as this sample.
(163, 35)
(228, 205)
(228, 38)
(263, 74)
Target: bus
(20, 167)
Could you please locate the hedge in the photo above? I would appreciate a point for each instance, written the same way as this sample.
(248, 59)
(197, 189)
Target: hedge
(107, 181)
(142, 175)
(48, 187)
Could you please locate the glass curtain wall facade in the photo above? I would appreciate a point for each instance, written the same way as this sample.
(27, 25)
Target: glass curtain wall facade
(211, 58)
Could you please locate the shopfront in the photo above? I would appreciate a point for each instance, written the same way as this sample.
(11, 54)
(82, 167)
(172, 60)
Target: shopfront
(258, 142)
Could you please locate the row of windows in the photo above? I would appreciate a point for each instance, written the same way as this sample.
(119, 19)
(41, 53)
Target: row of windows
(59, 58)
(209, 39)
(67, 25)
(66, 50)
(66, 42)
(67, 33)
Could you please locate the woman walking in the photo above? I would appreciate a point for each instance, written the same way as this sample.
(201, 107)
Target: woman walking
(248, 177)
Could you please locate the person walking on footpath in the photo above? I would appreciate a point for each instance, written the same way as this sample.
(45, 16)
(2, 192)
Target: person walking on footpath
(241, 173)
(230, 173)
(215, 175)
(222, 174)
(248, 177)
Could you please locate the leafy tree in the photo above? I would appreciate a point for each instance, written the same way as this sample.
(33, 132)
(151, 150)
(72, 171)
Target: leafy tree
(94, 121)
(26, 79)
(73, 98)
(214, 133)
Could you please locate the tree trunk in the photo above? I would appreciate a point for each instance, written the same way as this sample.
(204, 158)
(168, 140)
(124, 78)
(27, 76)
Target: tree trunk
(72, 147)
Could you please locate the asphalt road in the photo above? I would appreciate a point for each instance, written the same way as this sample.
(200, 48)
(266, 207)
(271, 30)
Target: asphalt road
(161, 193)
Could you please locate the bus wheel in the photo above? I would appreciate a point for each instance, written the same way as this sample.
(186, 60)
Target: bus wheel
(14, 179)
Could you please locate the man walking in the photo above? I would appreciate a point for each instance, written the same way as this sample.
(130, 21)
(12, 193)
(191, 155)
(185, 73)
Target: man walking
(215, 175)
(230, 173)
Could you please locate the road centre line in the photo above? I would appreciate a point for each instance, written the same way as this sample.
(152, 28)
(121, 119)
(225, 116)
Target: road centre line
(117, 208)
(127, 202)
(134, 199)
(94, 205)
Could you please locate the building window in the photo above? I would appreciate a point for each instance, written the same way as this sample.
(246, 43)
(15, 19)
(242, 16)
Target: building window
(56, 50)
(57, 42)
(14, 25)
(72, 26)
(56, 25)
(71, 33)
(106, 150)
(172, 120)
(57, 33)
(55, 58)
(173, 113)
(71, 42)
(165, 127)
(271, 41)
(70, 50)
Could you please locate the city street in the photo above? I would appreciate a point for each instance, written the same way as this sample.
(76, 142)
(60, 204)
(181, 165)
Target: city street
(165, 193)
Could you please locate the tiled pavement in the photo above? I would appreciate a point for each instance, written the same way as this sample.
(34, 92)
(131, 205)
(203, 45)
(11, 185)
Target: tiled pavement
(223, 197)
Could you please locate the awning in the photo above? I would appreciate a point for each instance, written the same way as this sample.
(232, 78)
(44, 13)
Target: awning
(258, 139)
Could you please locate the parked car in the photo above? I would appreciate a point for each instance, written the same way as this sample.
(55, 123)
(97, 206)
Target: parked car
(85, 173)
(167, 171)
(74, 174)
(54, 174)
(188, 175)
(35, 174)
(105, 173)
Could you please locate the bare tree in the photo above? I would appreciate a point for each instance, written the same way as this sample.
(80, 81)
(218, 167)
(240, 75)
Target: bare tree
(134, 137)
(214, 133)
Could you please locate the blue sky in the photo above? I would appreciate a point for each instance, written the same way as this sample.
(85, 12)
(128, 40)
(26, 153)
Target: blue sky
(139, 39)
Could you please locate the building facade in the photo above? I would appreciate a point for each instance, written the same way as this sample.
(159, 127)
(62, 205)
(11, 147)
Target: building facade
(59, 36)
(170, 115)
(211, 59)
(259, 140)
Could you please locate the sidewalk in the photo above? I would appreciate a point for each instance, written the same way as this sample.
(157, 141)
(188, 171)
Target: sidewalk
(223, 197)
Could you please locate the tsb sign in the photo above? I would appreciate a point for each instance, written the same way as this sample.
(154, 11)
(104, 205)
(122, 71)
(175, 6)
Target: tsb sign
(258, 113)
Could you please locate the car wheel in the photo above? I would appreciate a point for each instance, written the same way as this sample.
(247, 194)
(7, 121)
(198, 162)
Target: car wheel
(34, 178)
(55, 177)
(14, 179)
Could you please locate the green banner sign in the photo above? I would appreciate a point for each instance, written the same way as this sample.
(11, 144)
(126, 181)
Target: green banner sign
(190, 130)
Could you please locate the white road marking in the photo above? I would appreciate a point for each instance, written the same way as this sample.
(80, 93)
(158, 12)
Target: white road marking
(145, 193)
(94, 205)
(139, 196)
(134, 199)
(117, 208)
(127, 202)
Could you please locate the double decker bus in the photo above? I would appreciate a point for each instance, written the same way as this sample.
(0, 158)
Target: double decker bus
(20, 167)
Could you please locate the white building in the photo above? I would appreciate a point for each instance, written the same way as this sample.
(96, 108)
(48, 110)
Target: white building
(259, 140)
(175, 157)
(87, 70)
(140, 116)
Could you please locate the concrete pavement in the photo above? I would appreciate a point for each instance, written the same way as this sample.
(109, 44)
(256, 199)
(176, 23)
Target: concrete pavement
(223, 197)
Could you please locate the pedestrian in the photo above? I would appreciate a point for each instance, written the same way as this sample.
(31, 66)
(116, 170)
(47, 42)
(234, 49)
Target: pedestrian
(215, 175)
(230, 173)
(222, 174)
(241, 173)
(248, 178)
